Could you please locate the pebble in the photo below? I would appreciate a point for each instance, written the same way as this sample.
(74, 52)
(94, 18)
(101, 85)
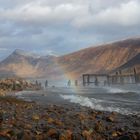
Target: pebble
(125, 138)
(20, 120)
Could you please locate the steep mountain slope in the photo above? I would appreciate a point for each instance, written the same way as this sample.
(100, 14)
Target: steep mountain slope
(129, 66)
(24, 64)
(101, 59)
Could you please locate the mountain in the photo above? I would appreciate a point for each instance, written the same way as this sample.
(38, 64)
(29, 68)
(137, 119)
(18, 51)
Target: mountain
(100, 59)
(26, 54)
(96, 59)
(23, 64)
(129, 66)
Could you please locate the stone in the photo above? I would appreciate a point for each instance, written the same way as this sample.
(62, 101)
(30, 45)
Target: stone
(4, 138)
(110, 118)
(51, 132)
(134, 137)
(27, 136)
(99, 127)
(58, 123)
(124, 138)
(136, 123)
(87, 135)
(28, 126)
(137, 134)
(35, 117)
(1, 118)
(66, 135)
(77, 136)
(114, 134)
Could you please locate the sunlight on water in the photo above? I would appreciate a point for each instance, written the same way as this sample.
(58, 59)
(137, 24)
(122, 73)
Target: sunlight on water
(95, 104)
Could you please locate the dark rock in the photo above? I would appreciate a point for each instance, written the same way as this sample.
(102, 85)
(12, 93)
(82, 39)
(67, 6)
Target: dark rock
(114, 134)
(52, 133)
(22, 120)
(99, 127)
(137, 134)
(110, 118)
(77, 136)
(66, 135)
(134, 137)
(87, 134)
(20, 135)
(124, 138)
(4, 138)
(1, 118)
(136, 123)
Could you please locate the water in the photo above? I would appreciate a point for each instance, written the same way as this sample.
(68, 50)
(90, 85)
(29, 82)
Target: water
(121, 99)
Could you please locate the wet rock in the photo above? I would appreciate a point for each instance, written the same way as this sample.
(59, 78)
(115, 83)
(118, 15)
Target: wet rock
(1, 118)
(77, 136)
(52, 133)
(58, 123)
(50, 120)
(66, 135)
(136, 123)
(114, 113)
(35, 117)
(87, 134)
(5, 133)
(137, 134)
(110, 118)
(81, 116)
(124, 138)
(15, 84)
(20, 135)
(4, 138)
(28, 126)
(23, 120)
(119, 133)
(114, 134)
(134, 137)
(126, 127)
(27, 136)
(99, 127)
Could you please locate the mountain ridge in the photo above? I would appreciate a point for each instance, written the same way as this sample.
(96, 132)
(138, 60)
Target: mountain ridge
(101, 59)
(98, 59)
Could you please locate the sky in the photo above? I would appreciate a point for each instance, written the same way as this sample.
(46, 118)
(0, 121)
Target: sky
(63, 26)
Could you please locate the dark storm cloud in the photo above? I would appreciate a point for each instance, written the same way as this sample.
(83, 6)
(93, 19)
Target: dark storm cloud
(63, 26)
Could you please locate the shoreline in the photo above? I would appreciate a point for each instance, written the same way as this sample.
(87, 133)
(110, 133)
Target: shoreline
(20, 119)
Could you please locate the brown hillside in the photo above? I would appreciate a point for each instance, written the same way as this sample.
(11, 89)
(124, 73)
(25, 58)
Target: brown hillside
(101, 59)
(129, 66)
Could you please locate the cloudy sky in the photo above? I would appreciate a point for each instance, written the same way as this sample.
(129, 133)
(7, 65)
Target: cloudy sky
(64, 26)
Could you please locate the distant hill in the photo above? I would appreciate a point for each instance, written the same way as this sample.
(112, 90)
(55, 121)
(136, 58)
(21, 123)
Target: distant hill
(101, 59)
(105, 58)
(25, 64)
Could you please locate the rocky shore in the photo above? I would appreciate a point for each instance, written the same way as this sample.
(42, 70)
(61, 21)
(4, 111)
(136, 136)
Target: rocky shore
(16, 84)
(20, 120)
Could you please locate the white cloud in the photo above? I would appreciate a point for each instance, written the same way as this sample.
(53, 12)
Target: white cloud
(46, 52)
(33, 13)
(126, 14)
(80, 13)
(65, 25)
(3, 49)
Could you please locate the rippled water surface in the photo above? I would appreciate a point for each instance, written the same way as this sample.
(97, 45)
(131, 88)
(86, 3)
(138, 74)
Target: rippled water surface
(122, 99)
